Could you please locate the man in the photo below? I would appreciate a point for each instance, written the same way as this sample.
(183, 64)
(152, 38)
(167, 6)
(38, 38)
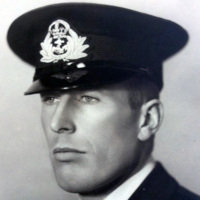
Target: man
(99, 74)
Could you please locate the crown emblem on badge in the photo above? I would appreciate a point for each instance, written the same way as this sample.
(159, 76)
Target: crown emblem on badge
(62, 43)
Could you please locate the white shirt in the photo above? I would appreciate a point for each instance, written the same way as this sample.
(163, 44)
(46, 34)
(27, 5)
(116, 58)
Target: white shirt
(125, 190)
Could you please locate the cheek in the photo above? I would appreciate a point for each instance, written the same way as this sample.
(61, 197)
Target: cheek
(113, 149)
(112, 125)
(112, 137)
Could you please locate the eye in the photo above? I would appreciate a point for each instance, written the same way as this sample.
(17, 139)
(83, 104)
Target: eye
(89, 99)
(49, 100)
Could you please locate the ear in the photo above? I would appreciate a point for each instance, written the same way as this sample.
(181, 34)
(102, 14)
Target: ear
(150, 119)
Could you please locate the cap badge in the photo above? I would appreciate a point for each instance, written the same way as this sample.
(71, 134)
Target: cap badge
(62, 43)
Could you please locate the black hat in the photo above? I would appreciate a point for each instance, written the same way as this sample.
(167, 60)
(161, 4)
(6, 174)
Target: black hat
(74, 45)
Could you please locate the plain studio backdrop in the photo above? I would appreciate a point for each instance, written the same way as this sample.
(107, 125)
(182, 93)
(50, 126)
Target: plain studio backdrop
(25, 169)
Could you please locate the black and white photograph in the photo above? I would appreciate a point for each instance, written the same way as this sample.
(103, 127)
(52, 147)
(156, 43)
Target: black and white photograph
(100, 100)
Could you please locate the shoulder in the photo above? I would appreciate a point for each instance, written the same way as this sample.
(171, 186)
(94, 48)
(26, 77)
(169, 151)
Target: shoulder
(183, 194)
(160, 185)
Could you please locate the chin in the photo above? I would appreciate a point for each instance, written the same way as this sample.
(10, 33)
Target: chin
(73, 182)
(69, 188)
(74, 187)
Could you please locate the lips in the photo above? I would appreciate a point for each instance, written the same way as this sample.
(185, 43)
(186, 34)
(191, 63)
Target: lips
(67, 150)
(66, 154)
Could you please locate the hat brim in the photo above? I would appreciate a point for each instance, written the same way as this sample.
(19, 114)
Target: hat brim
(82, 79)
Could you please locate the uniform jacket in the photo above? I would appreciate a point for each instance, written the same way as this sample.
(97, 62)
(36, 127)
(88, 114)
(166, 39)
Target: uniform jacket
(159, 185)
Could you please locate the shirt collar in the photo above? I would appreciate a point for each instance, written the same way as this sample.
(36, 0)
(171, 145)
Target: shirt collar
(125, 190)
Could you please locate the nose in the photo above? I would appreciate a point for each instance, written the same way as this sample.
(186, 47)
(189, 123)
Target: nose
(62, 119)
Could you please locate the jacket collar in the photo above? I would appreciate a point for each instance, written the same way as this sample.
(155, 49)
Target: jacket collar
(158, 185)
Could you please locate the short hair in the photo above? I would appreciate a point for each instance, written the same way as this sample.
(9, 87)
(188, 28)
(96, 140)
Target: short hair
(141, 90)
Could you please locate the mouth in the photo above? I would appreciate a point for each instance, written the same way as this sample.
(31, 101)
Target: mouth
(66, 154)
(67, 150)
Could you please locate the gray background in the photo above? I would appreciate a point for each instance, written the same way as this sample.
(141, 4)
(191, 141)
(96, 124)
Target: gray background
(25, 169)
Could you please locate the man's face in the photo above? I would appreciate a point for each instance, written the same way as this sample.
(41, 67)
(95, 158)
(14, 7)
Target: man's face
(92, 137)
